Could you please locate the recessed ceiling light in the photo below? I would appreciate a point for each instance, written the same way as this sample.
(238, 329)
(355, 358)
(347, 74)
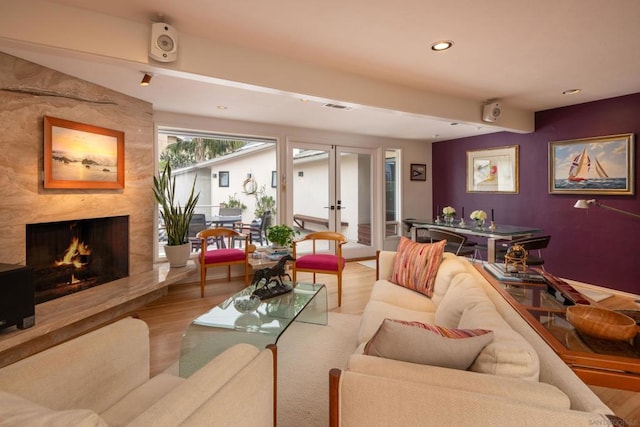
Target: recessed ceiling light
(441, 45)
(571, 91)
(221, 107)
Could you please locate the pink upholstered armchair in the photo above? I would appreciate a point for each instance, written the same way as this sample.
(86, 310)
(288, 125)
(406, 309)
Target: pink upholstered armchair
(323, 263)
(224, 254)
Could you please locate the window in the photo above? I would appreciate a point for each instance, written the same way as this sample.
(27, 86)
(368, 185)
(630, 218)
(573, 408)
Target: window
(218, 163)
(223, 179)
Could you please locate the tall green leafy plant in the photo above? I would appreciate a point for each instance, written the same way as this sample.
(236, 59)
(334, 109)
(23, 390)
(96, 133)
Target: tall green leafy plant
(176, 217)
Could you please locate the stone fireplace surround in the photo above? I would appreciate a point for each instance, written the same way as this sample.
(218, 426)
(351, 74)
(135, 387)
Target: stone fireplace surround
(28, 92)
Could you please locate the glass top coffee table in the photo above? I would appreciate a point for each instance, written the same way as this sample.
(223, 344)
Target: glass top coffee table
(236, 321)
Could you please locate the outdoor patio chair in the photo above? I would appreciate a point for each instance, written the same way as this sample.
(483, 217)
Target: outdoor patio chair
(257, 230)
(322, 263)
(197, 224)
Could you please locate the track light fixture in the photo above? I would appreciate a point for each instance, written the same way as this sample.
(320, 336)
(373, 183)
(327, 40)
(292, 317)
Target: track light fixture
(146, 79)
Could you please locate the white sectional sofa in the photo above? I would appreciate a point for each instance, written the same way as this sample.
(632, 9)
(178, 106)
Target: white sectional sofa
(516, 379)
(102, 379)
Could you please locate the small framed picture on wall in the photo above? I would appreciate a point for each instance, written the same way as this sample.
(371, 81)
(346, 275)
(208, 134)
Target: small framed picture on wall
(418, 172)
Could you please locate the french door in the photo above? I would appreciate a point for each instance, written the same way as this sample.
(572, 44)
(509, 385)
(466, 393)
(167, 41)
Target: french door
(331, 188)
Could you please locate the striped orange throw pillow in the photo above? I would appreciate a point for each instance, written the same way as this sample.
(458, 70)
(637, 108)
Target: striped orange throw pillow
(416, 265)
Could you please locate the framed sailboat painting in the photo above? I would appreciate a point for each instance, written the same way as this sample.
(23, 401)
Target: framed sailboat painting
(600, 165)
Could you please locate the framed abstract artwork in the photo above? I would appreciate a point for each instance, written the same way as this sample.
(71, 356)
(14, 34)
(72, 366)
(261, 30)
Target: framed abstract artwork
(600, 165)
(493, 170)
(79, 156)
(418, 172)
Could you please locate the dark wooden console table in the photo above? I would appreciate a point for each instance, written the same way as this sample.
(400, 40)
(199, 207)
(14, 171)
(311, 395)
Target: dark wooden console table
(614, 364)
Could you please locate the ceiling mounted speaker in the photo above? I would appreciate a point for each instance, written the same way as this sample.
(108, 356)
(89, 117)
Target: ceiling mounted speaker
(164, 42)
(491, 112)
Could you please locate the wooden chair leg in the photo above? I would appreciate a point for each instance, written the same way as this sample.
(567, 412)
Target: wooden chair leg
(229, 273)
(203, 278)
(339, 290)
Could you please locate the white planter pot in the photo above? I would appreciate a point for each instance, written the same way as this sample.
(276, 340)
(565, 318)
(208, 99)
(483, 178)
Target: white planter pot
(178, 255)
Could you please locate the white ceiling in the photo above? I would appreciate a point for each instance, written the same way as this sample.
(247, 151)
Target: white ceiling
(522, 52)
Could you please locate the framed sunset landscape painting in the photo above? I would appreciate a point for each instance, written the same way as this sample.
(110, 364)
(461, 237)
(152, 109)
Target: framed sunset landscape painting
(81, 156)
(600, 165)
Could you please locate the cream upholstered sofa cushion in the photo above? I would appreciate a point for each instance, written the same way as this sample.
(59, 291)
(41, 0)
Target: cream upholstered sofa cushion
(140, 399)
(119, 363)
(16, 411)
(390, 293)
(509, 354)
(376, 311)
(530, 392)
(467, 306)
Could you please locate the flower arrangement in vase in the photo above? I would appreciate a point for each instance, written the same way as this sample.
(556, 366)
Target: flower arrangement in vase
(449, 213)
(479, 216)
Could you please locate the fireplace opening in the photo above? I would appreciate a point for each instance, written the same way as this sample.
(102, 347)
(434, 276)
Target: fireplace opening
(70, 256)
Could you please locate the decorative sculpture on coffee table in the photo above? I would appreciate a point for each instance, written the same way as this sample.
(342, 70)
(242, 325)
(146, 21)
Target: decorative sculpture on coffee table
(272, 278)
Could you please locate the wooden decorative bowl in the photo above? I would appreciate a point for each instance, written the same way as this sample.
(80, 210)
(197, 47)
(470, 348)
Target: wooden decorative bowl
(601, 323)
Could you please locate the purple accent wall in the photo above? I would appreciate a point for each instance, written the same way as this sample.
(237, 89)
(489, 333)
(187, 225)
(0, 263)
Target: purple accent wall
(595, 246)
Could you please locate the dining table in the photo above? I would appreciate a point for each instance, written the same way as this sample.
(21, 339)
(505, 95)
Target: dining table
(492, 232)
(227, 221)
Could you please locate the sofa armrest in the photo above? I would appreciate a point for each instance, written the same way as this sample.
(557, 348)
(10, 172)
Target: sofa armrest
(92, 371)
(384, 264)
(358, 399)
(239, 376)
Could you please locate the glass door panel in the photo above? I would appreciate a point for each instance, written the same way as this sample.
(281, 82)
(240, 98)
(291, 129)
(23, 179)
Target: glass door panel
(331, 189)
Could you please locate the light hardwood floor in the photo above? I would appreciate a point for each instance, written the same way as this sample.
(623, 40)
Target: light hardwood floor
(169, 316)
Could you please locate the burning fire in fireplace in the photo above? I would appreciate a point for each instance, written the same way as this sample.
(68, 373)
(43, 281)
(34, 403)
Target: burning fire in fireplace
(69, 256)
(77, 254)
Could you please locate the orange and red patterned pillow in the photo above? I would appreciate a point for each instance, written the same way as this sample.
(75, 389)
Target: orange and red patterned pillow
(416, 265)
(426, 344)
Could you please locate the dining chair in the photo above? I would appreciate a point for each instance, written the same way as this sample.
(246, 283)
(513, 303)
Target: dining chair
(456, 243)
(222, 256)
(534, 243)
(321, 262)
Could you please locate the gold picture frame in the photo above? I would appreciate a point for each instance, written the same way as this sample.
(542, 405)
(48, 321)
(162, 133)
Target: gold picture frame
(598, 165)
(81, 156)
(493, 170)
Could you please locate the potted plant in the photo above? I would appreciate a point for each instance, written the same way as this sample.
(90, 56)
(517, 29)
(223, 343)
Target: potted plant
(281, 235)
(176, 218)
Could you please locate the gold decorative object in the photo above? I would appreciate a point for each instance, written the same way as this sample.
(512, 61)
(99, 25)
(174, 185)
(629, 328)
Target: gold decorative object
(517, 257)
(601, 323)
